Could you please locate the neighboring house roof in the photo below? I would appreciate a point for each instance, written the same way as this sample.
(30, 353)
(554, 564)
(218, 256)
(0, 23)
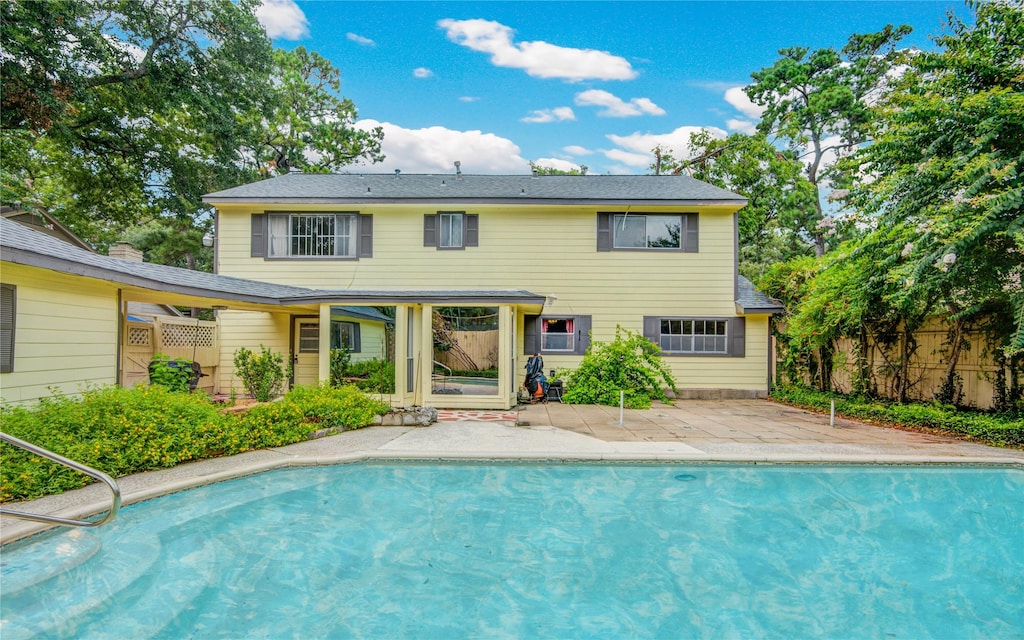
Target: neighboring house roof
(366, 313)
(301, 188)
(22, 245)
(750, 300)
(44, 223)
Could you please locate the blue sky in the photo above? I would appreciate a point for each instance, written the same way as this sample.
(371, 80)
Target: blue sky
(496, 85)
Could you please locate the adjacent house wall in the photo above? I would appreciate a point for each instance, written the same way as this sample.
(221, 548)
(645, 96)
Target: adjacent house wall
(65, 334)
(545, 250)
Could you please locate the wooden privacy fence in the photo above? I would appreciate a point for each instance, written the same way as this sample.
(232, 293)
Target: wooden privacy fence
(481, 348)
(178, 338)
(976, 367)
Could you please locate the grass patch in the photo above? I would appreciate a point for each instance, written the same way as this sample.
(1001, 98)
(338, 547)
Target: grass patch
(123, 431)
(996, 429)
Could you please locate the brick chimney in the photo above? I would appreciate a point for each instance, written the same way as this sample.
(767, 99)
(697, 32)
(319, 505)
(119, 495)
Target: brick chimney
(125, 251)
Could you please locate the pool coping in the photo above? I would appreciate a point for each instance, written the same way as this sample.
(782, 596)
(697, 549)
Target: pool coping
(383, 444)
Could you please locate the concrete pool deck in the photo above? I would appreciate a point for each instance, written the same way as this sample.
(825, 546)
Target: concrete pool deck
(691, 431)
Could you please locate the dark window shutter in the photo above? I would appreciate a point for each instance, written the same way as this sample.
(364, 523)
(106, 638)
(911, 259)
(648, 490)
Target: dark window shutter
(691, 244)
(604, 232)
(531, 335)
(652, 329)
(259, 236)
(737, 330)
(365, 235)
(8, 315)
(430, 230)
(357, 339)
(472, 230)
(583, 325)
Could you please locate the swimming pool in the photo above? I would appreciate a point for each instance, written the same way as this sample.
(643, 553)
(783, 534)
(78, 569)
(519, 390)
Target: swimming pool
(541, 550)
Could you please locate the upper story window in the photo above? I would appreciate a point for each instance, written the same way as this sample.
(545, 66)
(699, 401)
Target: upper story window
(451, 230)
(647, 232)
(312, 235)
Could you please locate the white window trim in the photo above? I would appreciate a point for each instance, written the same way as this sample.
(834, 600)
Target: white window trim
(280, 237)
(693, 335)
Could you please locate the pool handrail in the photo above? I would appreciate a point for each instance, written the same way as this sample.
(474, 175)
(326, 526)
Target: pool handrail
(81, 468)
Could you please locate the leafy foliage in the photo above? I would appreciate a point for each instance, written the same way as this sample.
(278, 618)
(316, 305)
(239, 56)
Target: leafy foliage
(1003, 430)
(332, 407)
(630, 363)
(374, 376)
(340, 359)
(123, 431)
(818, 102)
(175, 375)
(263, 373)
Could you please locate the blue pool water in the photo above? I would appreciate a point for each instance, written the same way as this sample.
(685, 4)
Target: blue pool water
(541, 551)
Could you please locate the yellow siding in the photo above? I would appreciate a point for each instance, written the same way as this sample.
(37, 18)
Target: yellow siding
(249, 329)
(65, 334)
(544, 250)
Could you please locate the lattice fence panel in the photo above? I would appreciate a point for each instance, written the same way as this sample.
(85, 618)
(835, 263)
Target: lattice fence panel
(139, 336)
(185, 335)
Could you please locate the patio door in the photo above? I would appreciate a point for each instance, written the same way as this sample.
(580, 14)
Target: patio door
(306, 351)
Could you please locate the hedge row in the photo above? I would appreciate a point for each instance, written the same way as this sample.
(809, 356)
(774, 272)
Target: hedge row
(1001, 430)
(123, 431)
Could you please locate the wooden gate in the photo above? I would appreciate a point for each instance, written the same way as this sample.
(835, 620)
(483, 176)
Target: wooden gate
(178, 338)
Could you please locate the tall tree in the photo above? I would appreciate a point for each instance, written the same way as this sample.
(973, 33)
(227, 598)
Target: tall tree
(818, 102)
(773, 225)
(307, 126)
(112, 107)
(946, 169)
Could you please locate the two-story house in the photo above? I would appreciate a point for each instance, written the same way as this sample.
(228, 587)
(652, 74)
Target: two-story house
(555, 261)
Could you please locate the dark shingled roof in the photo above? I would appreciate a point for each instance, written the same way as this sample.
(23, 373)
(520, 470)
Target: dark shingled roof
(753, 301)
(384, 188)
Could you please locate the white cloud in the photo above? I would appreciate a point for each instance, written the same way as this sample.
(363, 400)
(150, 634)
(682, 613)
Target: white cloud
(615, 107)
(283, 19)
(743, 126)
(435, 150)
(577, 150)
(557, 163)
(539, 59)
(358, 39)
(469, 98)
(739, 100)
(629, 158)
(676, 142)
(550, 115)
(422, 72)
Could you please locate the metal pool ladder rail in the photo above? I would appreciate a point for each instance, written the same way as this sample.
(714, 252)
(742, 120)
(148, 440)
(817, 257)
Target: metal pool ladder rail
(81, 468)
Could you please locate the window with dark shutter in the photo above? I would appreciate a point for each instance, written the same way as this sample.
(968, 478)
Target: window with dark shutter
(681, 336)
(8, 315)
(648, 232)
(556, 334)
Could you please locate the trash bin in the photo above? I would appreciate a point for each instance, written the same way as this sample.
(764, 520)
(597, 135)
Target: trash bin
(195, 374)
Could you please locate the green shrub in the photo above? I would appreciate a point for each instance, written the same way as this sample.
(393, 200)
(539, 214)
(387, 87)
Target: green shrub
(118, 431)
(176, 377)
(340, 359)
(999, 429)
(336, 407)
(263, 373)
(630, 363)
(122, 431)
(374, 376)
